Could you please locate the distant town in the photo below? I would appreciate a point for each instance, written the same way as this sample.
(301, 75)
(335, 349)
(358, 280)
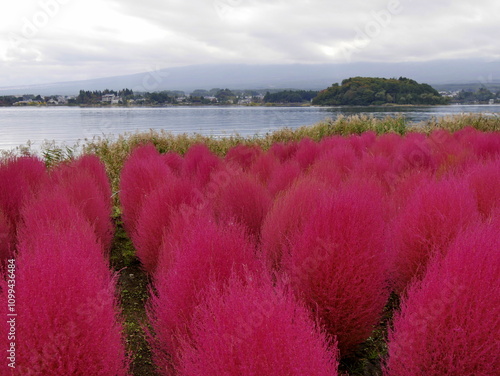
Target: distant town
(358, 91)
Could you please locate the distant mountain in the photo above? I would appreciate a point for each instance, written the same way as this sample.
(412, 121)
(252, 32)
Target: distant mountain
(297, 76)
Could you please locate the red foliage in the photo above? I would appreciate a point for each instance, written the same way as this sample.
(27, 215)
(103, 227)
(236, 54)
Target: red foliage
(287, 216)
(484, 181)
(448, 324)
(403, 187)
(332, 142)
(283, 176)
(142, 172)
(244, 199)
(283, 151)
(264, 167)
(386, 144)
(206, 252)
(338, 264)
(243, 155)
(334, 165)
(7, 238)
(449, 154)
(414, 153)
(85, 184)
(360, 143)
(434, 214)
(155, 216)
(374, 166)
(487, 144)
(199, 163)
(20, 179)
(174, 161)
(55, 210)
(65, 297)
(307, 152)
(252, 329)
(97, 172)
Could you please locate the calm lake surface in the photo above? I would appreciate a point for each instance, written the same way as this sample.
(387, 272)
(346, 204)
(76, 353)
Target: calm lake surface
(67, 125)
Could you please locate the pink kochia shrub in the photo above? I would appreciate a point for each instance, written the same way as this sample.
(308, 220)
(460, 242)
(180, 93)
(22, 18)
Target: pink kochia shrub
(243, 155)
(199, 163)
(449, 324)
(54, 210)
(7, 239)
(20, 179)
(206, 252)
(142, 172)
(283, 177)
(334, 165)
(287, 216)
(65, 297)
(307, 152)
(85, 184)
(245, 200)
(252, 328)
(484, 181)
(338, 265)
(155, 217)
(97, 172)
(429, 222)
(174, 161)
(264, 166)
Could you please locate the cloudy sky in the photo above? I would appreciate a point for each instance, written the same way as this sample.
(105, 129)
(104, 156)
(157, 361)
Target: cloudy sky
(44, 41)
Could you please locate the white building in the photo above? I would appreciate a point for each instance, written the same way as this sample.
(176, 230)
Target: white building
(110, 98)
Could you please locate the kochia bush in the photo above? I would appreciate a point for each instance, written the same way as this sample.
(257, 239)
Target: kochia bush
(448, 324)
(429, 222)
(174, 161)
(155, 217)
(337, 263)
(307, 152)
(252, 328)
(206, 252)
(484, 181)
(89, 191)
(264, 166)
(56, 211)
(283, 151)
(287, 217)
(97, 172)
(7, 238)
(20, 179)
(142, 172)
(283, 177)
(245, 200)
(199, 163)
(243, 155)
(65, 295)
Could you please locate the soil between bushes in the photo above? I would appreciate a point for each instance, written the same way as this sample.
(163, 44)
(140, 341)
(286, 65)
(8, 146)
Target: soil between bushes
(133, 292)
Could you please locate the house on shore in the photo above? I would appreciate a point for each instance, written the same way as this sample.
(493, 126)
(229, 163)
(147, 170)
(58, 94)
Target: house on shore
(110, 98)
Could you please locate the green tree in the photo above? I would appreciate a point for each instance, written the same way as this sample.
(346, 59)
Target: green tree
(362, 91)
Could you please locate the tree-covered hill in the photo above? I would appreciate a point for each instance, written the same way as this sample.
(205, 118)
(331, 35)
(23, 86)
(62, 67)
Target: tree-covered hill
(365, 91)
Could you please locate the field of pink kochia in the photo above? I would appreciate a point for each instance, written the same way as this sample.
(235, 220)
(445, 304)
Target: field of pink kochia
(276, 262)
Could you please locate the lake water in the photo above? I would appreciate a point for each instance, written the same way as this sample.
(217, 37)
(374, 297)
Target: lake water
(67, 125)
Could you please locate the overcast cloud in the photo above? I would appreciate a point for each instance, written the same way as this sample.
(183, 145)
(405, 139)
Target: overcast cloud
(45, 41)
